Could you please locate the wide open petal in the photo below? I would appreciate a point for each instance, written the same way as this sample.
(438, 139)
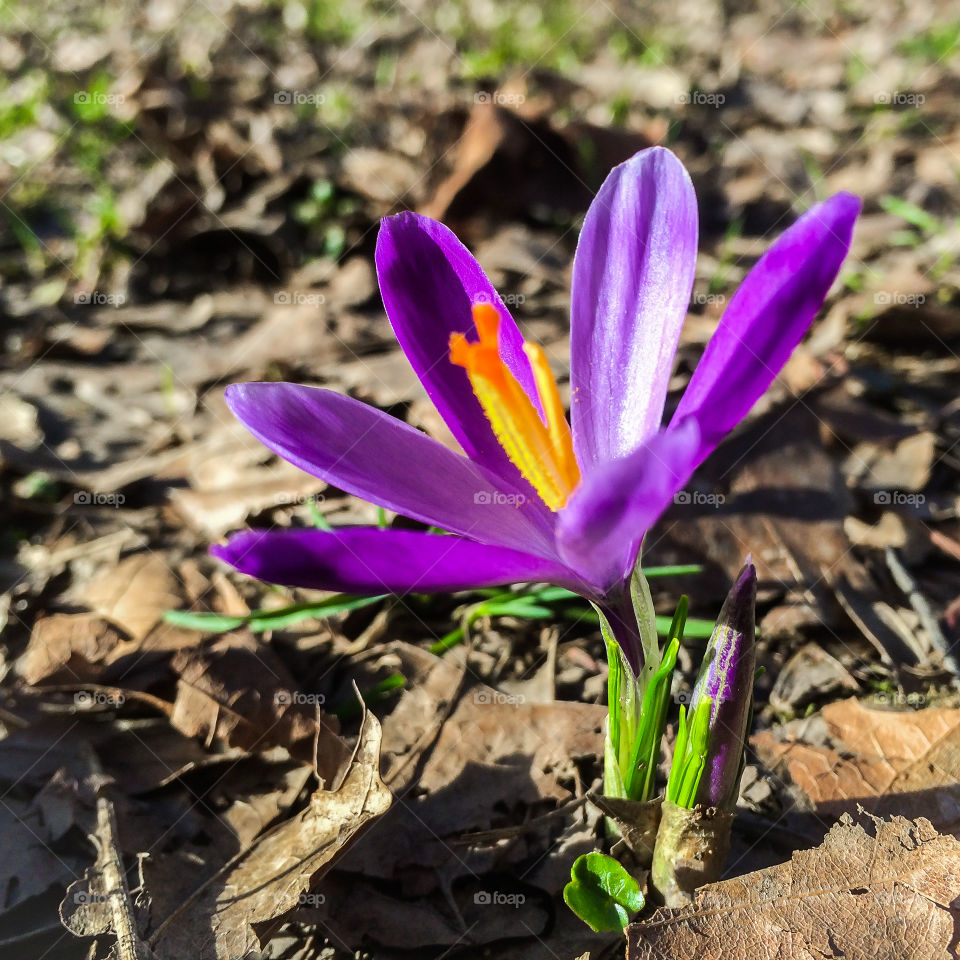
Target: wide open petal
(375, 456)
(429, 282)
(767, 318)
(366, 560)
(632, 278)
(600, 529)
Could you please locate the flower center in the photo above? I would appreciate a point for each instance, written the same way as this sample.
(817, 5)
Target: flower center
(540, 447)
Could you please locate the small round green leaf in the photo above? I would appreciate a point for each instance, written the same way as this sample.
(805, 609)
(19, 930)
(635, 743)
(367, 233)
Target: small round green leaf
(601, 892)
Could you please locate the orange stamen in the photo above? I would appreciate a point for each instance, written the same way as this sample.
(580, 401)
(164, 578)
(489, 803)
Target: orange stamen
(542, 452)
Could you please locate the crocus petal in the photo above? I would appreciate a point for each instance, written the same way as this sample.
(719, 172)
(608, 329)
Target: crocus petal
(366, 560)
(381, 459)
(429, 282)
(767, 318)
(632, 278)
(600, 529)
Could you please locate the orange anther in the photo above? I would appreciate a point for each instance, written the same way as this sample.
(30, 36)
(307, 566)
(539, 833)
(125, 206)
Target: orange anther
(542, 451)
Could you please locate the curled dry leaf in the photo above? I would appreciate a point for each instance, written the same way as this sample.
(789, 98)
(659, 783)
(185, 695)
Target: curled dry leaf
(237, 911)
(862, 897)
(526, 749)
(887, 761)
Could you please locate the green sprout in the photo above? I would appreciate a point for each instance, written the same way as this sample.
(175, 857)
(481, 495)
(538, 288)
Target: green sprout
(602, 893)
(689, 755)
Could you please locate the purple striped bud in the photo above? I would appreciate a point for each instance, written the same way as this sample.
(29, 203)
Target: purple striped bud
(726, 676)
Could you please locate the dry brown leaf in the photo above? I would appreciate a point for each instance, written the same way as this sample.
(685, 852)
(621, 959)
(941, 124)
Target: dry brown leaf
(260, 796)
(471, 755)
(888, 761)
(31, 829)
(214, 510)
(134, 594)
(484, 785)
(239, 691)
(543, 164)
(77, 648)
(785, 504)
(386, 178)
(385, 379)
(237, 911)
(810, 674)
(68, 647)
(857, 896)
(906, 467)
(538, 743)
(152, 755)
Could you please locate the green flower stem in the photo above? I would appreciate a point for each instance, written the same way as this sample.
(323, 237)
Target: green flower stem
(637, 705)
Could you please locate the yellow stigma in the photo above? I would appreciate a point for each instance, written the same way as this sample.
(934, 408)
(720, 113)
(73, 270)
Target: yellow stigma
(542, 452)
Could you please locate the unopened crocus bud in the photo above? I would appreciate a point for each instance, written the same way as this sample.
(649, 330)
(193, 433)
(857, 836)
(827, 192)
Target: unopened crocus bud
(696, 817)
(726, 677)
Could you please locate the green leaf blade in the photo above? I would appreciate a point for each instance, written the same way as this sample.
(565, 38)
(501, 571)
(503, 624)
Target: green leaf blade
(260, 620)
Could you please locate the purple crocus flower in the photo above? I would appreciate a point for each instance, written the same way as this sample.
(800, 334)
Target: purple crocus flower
(534, 499)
